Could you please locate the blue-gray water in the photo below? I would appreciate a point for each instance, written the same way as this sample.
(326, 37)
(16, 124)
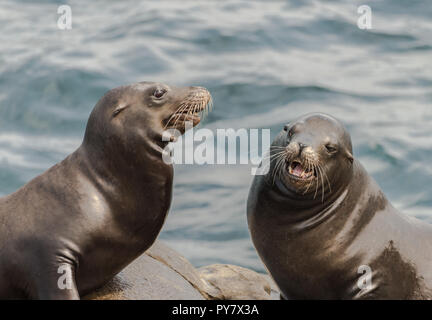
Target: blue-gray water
(265, 63)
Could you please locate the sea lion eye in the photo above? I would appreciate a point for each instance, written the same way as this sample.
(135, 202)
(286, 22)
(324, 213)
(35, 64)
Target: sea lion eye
(159, 93)
(330, 148)
(291, 133)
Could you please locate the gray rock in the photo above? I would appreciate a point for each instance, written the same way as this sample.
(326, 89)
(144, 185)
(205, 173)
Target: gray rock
(163, 274)
(237, 283)
(147, 279)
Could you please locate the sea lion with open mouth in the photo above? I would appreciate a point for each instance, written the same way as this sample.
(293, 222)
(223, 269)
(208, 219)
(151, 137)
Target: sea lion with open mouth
(71, 229)
(323, 227)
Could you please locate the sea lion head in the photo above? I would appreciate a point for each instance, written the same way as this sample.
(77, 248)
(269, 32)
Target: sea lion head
(130, 119)
(312, 155)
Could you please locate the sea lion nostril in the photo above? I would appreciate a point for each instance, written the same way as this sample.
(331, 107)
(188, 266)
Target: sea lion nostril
(159, 93)
(302, 146)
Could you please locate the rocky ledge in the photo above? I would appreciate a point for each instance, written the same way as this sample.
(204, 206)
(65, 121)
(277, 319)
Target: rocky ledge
(161, 273)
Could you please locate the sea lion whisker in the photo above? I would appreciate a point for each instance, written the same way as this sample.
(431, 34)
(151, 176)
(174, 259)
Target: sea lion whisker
(309, 166)
(276, 154)
(275, 170)
(316, 184)
(272, 157)
(322, 183)
(185, 107)
(176, 114)
(328, 182)
(280, 168)
(172, 116)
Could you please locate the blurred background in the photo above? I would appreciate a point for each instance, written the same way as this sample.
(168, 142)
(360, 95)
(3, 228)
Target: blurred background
(265, 63)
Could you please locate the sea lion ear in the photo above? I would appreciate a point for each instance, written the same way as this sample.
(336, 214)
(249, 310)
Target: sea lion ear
(349, 156)
(119, 109)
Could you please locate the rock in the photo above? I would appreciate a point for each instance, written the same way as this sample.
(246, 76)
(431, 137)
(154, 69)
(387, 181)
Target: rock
(147, 279)
(163, 274)
(275, 291)
(237, 283)
(183, 267)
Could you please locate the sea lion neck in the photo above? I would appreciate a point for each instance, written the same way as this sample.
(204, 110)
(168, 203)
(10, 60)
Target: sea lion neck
(305, 211)
(128, 173)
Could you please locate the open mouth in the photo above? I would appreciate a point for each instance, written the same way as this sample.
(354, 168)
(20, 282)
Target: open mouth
(299, 172)
(191, 114)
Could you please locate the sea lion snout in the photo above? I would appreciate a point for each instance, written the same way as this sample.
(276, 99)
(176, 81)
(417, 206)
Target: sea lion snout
(188, 108)
(301, 152)
(301, 161)
(301, 146)
(299, 149)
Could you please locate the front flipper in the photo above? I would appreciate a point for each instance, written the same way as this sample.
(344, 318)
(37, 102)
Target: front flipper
(57, 284)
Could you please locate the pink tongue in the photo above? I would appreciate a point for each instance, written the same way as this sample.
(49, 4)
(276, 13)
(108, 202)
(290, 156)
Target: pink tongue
(298, 170)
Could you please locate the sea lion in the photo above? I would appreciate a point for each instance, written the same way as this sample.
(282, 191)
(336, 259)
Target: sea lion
(71, 229)
(323, 227)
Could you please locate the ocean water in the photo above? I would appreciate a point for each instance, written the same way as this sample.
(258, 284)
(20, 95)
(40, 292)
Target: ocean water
(265, 63)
